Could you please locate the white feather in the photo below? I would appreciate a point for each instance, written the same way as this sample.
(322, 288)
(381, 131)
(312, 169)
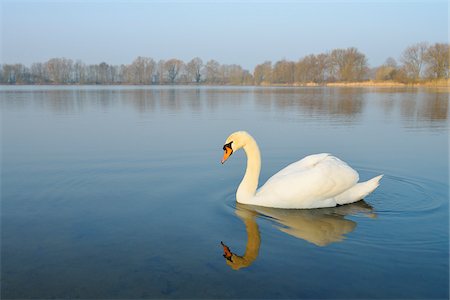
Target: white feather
(319, 180)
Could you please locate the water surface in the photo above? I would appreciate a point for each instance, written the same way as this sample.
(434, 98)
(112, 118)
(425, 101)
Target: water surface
(118, 192)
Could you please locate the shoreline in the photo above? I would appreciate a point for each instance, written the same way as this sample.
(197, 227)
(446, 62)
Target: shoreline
(359, 84)
(370, 83)
(432, 84)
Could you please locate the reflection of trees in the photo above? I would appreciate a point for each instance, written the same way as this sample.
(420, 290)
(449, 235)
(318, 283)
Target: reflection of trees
(389, 103)
(414, 106)
(344, 103)
(408, 107)
(320, 227)
(62, 101)
(217, 97)
(142, 99)
(194, 100)
(434, 107)
(181, 99)
(65, 100)
(337, 102)
(170, 99)
(105, 98)
(419, 109)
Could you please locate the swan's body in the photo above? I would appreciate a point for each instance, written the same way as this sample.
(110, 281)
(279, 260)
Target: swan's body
(319, 180)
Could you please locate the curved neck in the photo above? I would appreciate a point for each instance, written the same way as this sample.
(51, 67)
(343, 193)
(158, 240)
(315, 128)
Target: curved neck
(249, 183)
(252, 247)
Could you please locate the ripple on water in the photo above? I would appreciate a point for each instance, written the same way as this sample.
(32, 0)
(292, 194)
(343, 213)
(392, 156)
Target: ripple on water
(412, 216)
(396, 196)
(408, 197)
(403, 211)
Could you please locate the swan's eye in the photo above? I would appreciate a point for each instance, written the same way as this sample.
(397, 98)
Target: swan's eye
(228, 147)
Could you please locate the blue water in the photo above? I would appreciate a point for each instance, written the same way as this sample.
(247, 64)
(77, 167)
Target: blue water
(118, 192)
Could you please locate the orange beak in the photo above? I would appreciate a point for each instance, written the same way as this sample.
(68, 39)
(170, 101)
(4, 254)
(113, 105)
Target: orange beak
(227, 252)
(227, 152)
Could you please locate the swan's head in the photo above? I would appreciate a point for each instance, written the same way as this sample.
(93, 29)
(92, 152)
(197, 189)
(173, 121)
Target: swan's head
(234, 142)
(234, 261)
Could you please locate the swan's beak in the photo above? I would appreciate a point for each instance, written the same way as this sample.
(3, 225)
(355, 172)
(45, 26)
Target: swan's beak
(227, 152)
(227, 252)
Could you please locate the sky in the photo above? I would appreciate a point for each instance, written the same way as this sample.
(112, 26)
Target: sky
(241, 32)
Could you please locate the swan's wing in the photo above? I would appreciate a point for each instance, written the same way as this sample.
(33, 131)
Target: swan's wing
(306, 183)
(305, 163)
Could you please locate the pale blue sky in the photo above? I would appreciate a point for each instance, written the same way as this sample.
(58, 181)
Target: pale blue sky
(245, 32)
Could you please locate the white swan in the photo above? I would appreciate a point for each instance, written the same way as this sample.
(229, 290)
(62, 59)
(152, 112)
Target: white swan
(319, 180)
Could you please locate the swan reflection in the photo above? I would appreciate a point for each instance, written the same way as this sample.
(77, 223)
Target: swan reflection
(320, 227)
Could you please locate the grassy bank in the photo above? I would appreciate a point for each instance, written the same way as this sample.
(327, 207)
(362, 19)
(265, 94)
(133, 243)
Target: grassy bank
(445, 83)
(441, 84)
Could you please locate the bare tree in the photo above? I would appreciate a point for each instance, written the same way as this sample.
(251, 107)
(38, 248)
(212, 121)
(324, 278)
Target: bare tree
(413, 59)
(16, 73)
(283, 72)
(92, 74)
(437, 58)
(125, 74)
(348, 64)
(39, 73)
(391, 62)
(172, 67)
(60, 70)
(103, 73)
(194, 69)
(149, 69)
(234, 75)
(339, 65)
(141, 70)
(54, 70)
(115, 74)
(79, 69)
(158, 76)
(323, 67)
(308, 69)
(212, 72)
(247, 78)
(387, 71)
(263, 73)
(9, 75)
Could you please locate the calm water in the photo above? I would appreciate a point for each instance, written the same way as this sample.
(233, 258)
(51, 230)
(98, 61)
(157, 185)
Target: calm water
(113, 192)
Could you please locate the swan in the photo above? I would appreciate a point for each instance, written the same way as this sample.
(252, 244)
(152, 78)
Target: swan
(318, 180)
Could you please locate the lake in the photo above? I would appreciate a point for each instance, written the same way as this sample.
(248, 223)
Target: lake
(118, 192)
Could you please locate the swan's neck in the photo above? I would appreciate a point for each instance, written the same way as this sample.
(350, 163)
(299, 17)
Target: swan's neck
(253, 243)
(249, 184)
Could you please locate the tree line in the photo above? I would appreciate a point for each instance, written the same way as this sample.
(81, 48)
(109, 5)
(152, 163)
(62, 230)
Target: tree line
(419, 62)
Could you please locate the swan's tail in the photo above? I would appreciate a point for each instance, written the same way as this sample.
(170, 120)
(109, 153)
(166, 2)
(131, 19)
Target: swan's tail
(359, 191)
